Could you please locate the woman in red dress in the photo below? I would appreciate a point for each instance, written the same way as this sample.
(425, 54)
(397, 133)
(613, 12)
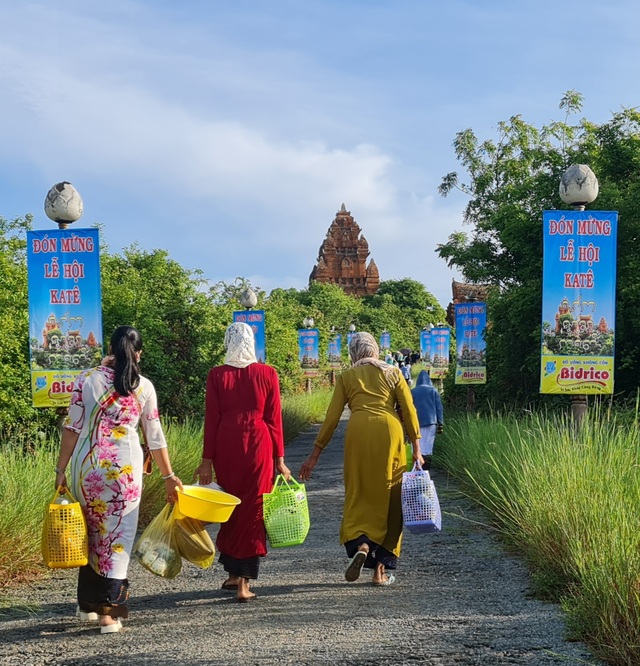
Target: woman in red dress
(243, 444)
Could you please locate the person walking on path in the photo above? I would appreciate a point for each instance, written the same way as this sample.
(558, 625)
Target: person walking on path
(101, 443)
(405, 369)
(243, 444)
(374, 458)
(426, 400)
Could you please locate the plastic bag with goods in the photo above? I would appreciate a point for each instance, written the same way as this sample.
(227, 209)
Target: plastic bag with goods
(420, 506)
(156, 548)
(192, 541)
(286, 513)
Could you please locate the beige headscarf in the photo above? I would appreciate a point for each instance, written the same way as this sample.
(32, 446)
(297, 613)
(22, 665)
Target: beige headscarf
(240, 345)
(364, 350)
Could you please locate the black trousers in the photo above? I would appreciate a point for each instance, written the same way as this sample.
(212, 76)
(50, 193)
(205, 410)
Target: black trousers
(102, 595)
(245, 567)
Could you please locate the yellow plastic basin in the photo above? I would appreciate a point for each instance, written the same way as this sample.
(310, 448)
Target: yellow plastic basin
(206, 504)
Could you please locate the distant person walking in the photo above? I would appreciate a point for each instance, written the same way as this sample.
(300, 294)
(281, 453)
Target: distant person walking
(374, 458)
(405, 369)
(426, 400)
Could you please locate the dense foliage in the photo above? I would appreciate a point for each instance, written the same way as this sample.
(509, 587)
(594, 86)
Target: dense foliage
(512, 179)
(182, 319)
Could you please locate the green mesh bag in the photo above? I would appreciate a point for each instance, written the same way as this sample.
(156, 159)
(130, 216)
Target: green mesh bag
(286, 513)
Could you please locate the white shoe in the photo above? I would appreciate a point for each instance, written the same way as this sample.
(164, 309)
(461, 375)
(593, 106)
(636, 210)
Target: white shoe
(86, 617)
(111, 628)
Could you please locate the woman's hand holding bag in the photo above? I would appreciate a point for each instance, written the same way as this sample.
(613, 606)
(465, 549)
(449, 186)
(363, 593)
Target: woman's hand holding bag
(65, 543)
(286, 513)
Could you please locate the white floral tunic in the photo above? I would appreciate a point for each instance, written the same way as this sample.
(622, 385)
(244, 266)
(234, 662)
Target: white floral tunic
(106, 467)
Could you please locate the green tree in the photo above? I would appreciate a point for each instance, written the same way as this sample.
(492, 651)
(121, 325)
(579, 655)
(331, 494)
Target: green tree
(181, 327)
(283, 316)
(401, 307)
(512, 179)
(16, 410)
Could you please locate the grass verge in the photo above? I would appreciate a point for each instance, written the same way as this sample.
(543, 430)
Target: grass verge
(26, 485)
(568, 500)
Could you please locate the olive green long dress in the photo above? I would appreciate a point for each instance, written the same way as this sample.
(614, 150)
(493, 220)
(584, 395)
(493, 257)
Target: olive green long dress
(374, 452)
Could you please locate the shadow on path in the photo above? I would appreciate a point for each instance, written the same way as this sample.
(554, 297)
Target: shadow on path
(458, 599)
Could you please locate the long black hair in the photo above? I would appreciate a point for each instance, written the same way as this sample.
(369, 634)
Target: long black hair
(125, 342)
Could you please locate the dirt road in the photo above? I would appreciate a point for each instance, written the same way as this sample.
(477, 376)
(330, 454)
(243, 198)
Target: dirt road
(458, 599)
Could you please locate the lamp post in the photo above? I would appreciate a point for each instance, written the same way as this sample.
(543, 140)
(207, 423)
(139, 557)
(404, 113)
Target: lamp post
(332, 375)
(471, 389)
(578, 187)
(248, 299)
(63, 204)
(308, 323)
(440, 380)
(352, 330)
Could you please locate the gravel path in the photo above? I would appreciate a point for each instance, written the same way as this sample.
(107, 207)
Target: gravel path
(458, 599)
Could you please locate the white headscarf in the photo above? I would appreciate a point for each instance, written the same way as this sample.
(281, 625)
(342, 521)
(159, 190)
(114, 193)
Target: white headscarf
(364, 350)
(240, 345)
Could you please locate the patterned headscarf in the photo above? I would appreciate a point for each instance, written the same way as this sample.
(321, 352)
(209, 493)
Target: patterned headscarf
(364, 350)
(240, 345)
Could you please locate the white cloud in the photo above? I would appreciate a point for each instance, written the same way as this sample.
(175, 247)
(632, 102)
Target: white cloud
(248, 197)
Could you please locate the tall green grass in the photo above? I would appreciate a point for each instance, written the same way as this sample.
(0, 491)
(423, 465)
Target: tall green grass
(569, 500)
(27, 482)
(301, 409)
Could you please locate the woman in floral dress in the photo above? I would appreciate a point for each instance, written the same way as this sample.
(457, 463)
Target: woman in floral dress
(100, 442)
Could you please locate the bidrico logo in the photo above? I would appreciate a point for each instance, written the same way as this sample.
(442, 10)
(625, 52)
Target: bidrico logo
(572, 376)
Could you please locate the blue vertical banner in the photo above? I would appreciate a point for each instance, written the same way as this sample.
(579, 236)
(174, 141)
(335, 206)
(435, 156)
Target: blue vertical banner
(334, 351)
(439, 354)
(255, 319)
(308, 339)
(350, 335)
(65, 311)
(471, 322)
(385, 341)
(578, 301)
(425, 345)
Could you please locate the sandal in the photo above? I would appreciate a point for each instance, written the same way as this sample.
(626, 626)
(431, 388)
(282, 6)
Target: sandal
(389, 581)
(113, 628)
(229, 586)
(83, 616)
(355, 566)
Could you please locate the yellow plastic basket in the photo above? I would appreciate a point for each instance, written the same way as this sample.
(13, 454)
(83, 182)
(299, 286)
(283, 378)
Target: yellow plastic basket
(65, 543)
(286, 513)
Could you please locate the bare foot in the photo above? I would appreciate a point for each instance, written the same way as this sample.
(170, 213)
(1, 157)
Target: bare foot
(106, 620)
(244, 594)
(379, 576)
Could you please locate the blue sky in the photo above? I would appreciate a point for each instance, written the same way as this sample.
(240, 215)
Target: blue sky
(229, 133)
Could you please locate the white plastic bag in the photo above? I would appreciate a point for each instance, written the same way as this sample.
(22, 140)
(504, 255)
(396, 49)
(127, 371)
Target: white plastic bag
(420, 506)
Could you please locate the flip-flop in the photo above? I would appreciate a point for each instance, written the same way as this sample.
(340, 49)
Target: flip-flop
(86, 617)
(111, 628)
(355, 566)
(390, 580)
(229, 586)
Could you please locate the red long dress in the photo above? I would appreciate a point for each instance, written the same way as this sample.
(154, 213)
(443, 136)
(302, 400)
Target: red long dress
(243, 436)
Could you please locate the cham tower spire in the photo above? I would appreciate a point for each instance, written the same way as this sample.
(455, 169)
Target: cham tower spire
(342, 258)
